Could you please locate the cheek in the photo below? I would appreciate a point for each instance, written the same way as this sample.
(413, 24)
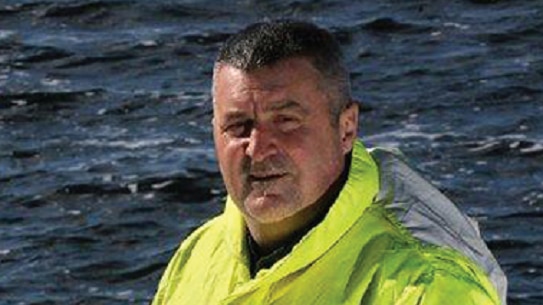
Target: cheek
(319, 160)
(230, 156)
(220, 151)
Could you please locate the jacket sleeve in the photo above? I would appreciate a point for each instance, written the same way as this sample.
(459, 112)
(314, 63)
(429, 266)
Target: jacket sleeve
(165, 281)
(446, 288)
(174, 269)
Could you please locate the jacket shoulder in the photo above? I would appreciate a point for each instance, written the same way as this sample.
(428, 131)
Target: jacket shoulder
(193, 246)
(423, 212)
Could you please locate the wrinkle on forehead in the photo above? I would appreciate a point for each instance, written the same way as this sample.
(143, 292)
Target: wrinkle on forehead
(262, 79)
(268, 89)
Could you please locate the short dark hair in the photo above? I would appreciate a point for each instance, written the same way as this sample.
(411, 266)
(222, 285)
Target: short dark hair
(266, 43)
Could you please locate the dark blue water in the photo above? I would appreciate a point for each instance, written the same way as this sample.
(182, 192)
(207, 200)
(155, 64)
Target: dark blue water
(106, 155)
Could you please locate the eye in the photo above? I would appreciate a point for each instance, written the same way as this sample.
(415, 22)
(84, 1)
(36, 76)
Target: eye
(287, 123)
(241, 129)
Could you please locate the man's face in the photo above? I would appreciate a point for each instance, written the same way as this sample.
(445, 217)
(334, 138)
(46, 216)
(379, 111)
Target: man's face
(277, 149)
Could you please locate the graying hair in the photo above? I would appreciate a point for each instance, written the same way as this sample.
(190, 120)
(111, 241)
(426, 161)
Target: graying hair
(264, 44)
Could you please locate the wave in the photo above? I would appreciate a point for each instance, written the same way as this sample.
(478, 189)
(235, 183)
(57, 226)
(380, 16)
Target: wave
(507, 145)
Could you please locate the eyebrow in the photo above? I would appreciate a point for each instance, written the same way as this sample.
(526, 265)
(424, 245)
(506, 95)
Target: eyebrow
(234, 116)
(287, 105)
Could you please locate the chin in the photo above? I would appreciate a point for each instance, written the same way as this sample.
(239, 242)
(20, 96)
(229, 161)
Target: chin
(269, 209)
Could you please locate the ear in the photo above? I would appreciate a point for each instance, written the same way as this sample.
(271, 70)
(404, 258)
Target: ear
(348, 124)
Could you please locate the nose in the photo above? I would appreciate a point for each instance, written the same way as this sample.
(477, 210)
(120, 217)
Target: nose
(261, 144)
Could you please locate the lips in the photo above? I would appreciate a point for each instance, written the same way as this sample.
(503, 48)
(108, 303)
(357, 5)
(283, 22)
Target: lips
(266, 177)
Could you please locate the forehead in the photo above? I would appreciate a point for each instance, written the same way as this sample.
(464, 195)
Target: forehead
(286, 76)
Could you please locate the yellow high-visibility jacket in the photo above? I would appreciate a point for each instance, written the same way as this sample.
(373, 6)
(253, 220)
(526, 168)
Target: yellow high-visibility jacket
(389, 238)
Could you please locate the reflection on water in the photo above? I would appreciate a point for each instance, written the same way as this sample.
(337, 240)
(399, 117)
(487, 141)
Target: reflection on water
(106, 155)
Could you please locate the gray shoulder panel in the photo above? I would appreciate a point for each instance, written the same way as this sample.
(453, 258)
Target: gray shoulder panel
(430, 216)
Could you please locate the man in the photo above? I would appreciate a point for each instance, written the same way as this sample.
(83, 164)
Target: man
(311, 216)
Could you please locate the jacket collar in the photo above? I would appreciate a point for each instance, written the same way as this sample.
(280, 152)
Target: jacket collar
(357, 194)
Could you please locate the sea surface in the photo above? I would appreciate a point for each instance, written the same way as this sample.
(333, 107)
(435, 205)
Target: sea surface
(106, 154)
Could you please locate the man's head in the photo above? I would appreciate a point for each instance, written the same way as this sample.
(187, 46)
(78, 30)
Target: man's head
(264, 44)
(283, 121)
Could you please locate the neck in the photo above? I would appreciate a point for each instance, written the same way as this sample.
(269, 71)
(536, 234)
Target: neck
(271, 236)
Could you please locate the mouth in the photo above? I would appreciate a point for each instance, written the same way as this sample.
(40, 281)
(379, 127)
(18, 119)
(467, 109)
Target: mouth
(265, 177)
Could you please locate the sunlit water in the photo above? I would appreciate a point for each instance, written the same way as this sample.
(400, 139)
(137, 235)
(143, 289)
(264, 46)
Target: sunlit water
(106, 155)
